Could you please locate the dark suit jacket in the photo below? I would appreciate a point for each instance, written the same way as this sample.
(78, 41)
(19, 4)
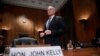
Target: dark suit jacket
(57, 27)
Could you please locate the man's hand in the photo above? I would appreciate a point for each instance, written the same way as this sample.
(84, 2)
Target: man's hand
(42, 34)
(48, 32)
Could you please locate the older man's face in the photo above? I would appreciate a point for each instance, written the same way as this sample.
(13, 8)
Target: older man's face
(51, 11)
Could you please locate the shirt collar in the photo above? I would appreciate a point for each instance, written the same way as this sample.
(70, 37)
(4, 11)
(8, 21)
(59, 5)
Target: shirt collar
(52, 17)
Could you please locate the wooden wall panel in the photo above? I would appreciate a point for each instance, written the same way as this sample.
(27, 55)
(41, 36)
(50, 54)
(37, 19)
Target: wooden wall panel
(85, 9)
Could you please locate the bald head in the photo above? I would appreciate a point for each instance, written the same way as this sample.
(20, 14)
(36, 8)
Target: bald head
(51, 10)
(51, 7)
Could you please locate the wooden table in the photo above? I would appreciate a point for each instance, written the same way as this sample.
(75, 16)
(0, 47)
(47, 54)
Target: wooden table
(83, 52)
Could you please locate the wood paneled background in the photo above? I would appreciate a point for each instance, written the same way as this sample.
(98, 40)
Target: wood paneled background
(82, 9)
(85, 9)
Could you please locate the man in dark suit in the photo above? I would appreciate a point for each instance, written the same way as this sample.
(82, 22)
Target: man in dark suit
(54, 28)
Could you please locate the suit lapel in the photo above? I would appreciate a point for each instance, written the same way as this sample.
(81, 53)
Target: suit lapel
(53, 20)
(51, 23)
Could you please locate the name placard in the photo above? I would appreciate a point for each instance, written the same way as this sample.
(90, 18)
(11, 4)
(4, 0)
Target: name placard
(36, 51)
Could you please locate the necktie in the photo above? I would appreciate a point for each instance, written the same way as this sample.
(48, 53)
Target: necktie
(48, 23)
